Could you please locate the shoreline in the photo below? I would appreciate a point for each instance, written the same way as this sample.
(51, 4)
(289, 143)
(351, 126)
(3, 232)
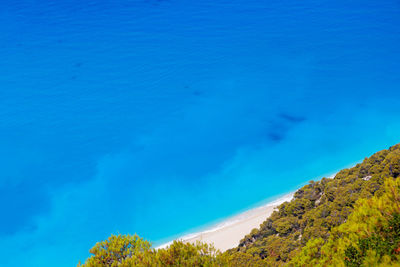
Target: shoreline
(228, 233)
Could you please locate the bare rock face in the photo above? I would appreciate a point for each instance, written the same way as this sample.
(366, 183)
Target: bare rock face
(366, 178)
(318, 201)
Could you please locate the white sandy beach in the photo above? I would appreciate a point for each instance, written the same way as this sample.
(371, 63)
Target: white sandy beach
(228, 234)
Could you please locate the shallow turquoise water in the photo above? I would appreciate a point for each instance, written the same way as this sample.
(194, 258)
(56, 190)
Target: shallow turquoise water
(158, 117)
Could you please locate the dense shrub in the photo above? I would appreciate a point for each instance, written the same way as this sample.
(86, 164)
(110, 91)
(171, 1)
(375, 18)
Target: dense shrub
(370, 236)
(350, 220)
(126, 251)
(317, 208)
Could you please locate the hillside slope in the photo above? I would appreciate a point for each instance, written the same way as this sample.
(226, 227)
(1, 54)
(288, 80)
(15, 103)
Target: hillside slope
(319, 207)
(352, 219)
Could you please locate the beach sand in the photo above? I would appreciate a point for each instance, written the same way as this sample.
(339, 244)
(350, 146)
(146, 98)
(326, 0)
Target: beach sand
(229, 236)
(228, 233)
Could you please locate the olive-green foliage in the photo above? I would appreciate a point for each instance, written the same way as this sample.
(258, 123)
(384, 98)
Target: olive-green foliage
(126, 251)
(350, 220)
(370, 236)
(316, 209)
(117, 250)
(245, 260)
(186, 254)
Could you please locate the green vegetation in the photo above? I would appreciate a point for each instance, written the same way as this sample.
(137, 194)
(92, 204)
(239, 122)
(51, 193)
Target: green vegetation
(350, 220)
(370, 236)
(126, 250)
(307, 221)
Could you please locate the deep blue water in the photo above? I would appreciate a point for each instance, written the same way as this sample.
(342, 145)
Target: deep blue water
(157, 117)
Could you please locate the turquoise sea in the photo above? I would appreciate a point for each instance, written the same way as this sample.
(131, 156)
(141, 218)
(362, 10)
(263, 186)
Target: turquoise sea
(158, 117)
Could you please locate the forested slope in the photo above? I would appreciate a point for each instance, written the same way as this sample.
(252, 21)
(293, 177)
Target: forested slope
(319, 207)
(350, 220)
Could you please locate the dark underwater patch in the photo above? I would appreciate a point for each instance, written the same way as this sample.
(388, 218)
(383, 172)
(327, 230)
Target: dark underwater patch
(197, 93)
(280, 126)
(292, 118)
(276, 136)
(20, 204)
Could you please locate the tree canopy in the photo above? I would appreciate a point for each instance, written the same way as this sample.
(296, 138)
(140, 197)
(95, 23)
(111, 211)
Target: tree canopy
(350, 220)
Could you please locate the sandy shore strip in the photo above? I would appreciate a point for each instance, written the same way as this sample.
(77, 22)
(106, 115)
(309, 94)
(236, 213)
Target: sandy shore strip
(228, 233)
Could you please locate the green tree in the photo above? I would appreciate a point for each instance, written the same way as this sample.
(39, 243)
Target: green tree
(127, 251)
(370, 237)
(319, 207)
(117, 250)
